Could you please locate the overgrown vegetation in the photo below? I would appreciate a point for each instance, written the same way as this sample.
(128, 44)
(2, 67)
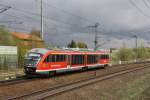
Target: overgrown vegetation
(5, 37)
(128, 54)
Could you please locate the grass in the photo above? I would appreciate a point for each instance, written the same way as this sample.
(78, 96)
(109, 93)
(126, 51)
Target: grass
(133, 90)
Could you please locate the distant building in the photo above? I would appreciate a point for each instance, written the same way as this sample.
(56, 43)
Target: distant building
(27, 39)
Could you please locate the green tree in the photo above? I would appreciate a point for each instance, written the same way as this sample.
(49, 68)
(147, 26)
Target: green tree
(5, 37)
(125, 54)
(73, 44)
(82, 45)
(142, 53)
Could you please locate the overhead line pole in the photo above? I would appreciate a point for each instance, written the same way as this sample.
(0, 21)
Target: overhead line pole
(96, 35)
(42, 34)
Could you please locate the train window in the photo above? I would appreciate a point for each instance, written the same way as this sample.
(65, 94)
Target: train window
(104, 57)
(60, 58)
(77, 59)
(55, 58)
(91, 59)
(48, 59)
(107, 56)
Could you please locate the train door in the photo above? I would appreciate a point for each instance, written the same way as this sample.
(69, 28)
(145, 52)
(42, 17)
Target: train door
(69, 61)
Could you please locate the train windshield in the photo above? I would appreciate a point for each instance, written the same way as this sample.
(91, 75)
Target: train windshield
(32, 59)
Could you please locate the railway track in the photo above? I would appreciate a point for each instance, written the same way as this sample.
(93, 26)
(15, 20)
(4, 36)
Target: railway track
(23, 79)
(45, 93)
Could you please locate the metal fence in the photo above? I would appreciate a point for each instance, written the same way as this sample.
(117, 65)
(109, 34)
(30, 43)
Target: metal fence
(8, 61)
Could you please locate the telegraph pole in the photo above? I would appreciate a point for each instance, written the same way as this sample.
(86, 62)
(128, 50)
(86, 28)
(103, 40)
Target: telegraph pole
(96, 35)
(42, 34)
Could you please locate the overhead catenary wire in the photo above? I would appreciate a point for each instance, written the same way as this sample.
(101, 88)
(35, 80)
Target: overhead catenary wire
(139, 9)
(38, 15)
(29, 17)
(45, 22)
(28, 14)
(69, 13)
(146, 4)
(55, 21)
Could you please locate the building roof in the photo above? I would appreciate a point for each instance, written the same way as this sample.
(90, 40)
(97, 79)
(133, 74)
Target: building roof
(25, 36)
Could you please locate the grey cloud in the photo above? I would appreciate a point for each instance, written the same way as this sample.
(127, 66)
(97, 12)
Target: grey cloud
(116, 18)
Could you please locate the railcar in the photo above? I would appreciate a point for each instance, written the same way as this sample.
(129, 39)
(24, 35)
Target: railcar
(45, 61)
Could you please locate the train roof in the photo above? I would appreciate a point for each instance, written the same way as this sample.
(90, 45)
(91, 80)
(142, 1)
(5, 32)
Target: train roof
(66, 51)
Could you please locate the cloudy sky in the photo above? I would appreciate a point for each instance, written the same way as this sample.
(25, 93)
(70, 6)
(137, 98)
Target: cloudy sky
(65, 20)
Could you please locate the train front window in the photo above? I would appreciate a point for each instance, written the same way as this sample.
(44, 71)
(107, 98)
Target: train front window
(32, 59)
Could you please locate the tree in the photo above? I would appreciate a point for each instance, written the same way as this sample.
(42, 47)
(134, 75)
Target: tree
(142, 53)
(72, 44)
(125, 54)
(5, 37)
(75, 44)
(35, 32)
(82, 45)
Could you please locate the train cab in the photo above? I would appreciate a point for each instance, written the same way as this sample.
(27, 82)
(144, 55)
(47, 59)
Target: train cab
(32, 59)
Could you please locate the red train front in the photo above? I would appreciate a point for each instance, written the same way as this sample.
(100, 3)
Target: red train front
(45, 61)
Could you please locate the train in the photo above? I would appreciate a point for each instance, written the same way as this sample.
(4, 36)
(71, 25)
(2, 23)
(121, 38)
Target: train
(43, 61)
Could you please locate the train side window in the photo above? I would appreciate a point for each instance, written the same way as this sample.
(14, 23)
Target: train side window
(104, 56)
(91, 59)
(53, 58)
(48, 58)
(60, 58)
(107, 57)
(77, 59)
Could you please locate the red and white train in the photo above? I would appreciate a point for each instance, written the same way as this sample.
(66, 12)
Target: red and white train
(45, 61)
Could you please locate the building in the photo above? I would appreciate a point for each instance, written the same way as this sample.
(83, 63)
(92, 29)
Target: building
(27, 40)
